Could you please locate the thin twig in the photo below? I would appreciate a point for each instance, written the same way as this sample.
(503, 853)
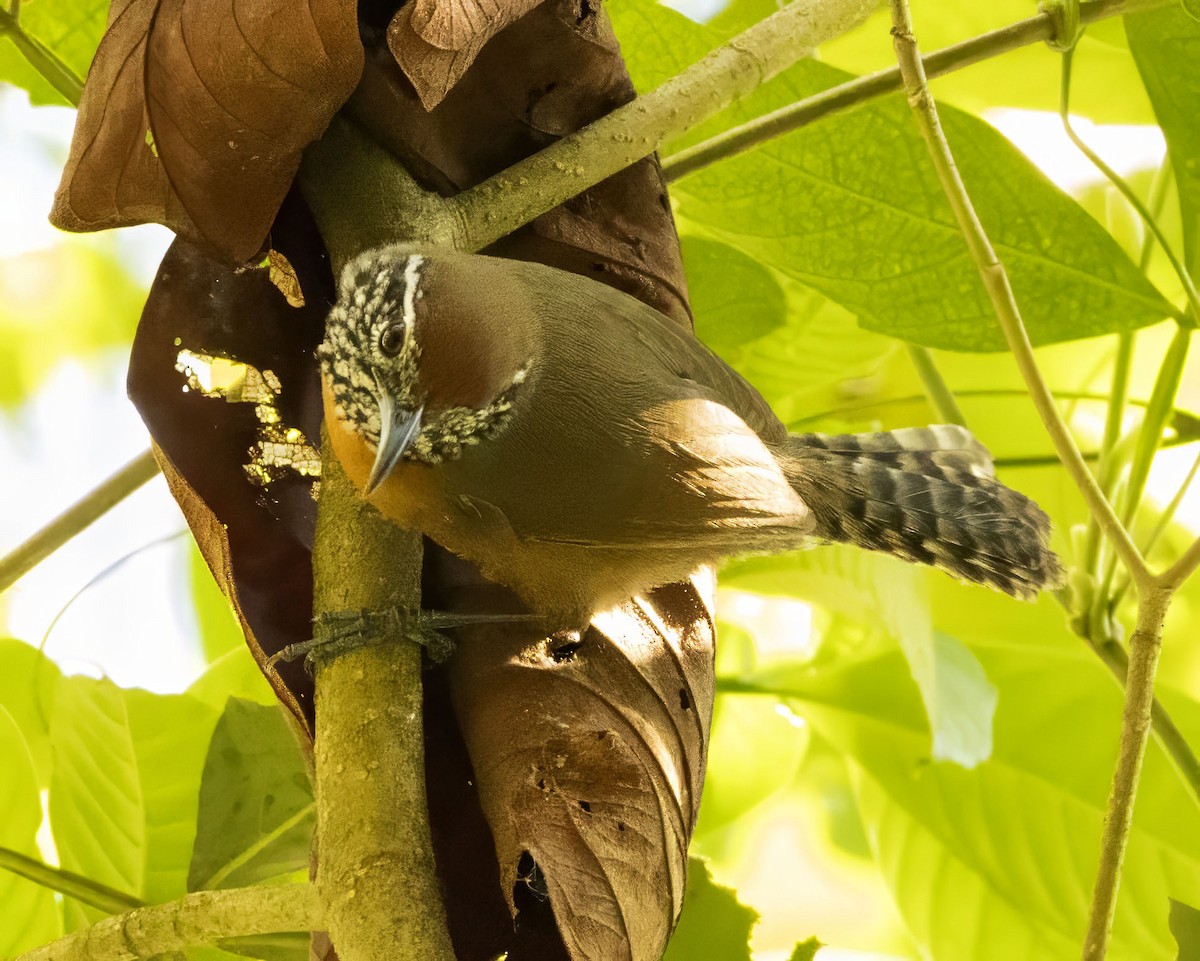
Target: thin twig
(995, 281)
(77, 517)
(939, 393)
(786, 119)
(73, 885)
(1144, 648)
(194, 920)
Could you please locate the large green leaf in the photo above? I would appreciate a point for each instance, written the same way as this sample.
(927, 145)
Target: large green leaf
(256, 803)
(219, 630)
(997, 863)
(856, 211)
(714, 925)
(735, 299)
(1185, 927)
(70, 29)
(28, 682)
(891, 596)
(28, 915)
(1166, 44)
(744, 732)
(234, 674)
(123, 796)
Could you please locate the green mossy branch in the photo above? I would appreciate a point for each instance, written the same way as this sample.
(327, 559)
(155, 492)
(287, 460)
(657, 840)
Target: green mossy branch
(193, 920)
(375, 864)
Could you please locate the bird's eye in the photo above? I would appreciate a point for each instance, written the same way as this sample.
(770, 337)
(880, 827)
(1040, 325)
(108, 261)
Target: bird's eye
(392, 339)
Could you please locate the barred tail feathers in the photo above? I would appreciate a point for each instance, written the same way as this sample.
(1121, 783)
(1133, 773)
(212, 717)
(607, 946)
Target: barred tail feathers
(927, 495)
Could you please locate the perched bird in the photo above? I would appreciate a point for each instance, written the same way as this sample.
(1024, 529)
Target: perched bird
(579, 447)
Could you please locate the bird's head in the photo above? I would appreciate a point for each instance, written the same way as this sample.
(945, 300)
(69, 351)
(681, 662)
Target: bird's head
(423, 355)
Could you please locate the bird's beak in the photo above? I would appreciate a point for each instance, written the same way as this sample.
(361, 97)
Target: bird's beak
(397, 428)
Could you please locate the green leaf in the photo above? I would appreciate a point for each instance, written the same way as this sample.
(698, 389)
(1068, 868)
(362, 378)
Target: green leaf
(893, 597)
(1166, 45)
(734, 298)
(256, 803)
(219, 629)
(1185, 928)
(70, 29)
(744, 731)
(997, 863)
(28, 682)
(123, 796)
(805, 950)
(857, 213)
(28, 915)
(234, 674)
(804, 364)
(714, 925)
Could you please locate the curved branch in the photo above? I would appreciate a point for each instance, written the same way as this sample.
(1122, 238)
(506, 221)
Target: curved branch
(194, 920)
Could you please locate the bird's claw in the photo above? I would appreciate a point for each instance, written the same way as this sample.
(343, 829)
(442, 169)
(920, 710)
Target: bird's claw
(336, 632)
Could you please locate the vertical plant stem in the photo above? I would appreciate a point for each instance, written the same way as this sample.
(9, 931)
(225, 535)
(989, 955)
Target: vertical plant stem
(995, 281)
(77, 517)
(1144, 648)
(375, 864)
(936, 388)
(1152, 596)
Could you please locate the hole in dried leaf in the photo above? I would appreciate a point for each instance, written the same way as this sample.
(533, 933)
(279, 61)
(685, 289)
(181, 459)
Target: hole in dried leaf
(620, 825)
(587, 806)
(280, 449)
(585, 10)
(563, 646)
(685, 702)
(529, 878)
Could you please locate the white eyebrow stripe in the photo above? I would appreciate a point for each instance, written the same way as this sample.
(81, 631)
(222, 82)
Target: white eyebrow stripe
(412, 276)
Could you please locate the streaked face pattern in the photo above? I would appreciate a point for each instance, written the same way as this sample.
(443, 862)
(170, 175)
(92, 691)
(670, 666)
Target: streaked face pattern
(371, 360)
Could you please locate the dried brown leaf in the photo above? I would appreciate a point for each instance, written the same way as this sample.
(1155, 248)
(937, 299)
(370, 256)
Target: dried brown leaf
(194, 115)
(591, 759)
(257, 539)
(436, 41)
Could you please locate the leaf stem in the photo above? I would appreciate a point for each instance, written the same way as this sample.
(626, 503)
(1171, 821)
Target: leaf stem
(197, 919)
(77, 517)
(84, 890)
(786, 119)
(53, 70)
(995, 281)
(939, 392)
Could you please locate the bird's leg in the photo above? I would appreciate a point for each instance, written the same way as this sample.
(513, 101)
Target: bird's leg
(335, 632)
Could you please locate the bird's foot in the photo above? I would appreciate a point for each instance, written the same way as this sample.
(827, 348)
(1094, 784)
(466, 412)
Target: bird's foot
(336, 632)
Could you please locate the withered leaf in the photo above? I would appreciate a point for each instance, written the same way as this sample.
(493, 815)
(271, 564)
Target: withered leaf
(590, 758)
(194, 115)
(435, 41)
